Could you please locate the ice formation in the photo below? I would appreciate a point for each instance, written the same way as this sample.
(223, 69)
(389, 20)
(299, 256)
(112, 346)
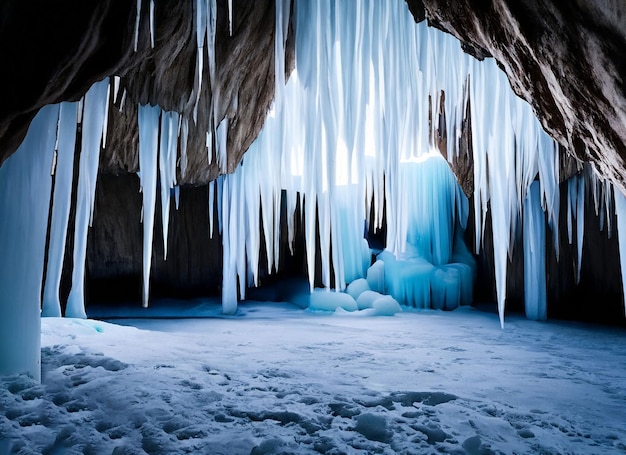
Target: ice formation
(94, 118)
(534, 255)
(25, 188)
(63, 177)
(351, 136)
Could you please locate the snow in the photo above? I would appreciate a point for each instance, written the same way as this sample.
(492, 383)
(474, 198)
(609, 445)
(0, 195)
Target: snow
(279, 379)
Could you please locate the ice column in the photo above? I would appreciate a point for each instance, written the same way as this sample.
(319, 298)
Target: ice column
(620, 210)
(94, 112)
(62, 199)
(25, 186)
(534, 255)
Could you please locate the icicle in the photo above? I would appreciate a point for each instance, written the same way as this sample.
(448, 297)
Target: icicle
(66, 144)
(580, 220)
(230, 17)
(167, 167)
(211, 207)
(152, 24)
(116, 88)
(184, 135)
(95, 110)
(280, 39)
(620, 211)
(138, 17)
(105, 125)
(123, 100)
(148, 118)
(222, 140)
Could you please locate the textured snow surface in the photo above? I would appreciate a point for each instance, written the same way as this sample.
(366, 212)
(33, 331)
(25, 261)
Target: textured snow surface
(278, 379)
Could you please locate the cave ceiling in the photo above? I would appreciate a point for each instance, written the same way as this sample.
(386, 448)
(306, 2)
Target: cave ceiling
(568, 59)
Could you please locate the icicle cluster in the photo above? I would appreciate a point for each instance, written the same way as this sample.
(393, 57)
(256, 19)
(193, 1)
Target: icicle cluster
(357, 108)
(348, 136)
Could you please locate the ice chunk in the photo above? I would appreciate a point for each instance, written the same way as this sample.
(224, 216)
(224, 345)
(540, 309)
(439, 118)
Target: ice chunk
(357, 287)
(325, 300)
(367, 299)
(386, 306)
(376, 276)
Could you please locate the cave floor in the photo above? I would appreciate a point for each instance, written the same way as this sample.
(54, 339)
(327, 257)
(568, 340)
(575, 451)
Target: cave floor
(279, 379)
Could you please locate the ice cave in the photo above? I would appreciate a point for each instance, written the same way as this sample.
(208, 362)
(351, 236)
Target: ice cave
(312, 227)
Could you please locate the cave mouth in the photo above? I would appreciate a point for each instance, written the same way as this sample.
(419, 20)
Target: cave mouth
(340, 142)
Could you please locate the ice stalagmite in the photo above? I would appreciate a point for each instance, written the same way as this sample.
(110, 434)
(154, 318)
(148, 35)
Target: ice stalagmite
(148, 117)
(95, 108)
(25, 186)
(63, 178)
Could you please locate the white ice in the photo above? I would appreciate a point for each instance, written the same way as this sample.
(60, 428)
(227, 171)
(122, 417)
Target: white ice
(63, 178)
(95, 109)
(25, 189)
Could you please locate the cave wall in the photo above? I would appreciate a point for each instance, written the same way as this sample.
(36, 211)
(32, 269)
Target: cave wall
(193, 267)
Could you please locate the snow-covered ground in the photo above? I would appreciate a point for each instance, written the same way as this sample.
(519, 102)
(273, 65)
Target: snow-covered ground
(279, 379)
